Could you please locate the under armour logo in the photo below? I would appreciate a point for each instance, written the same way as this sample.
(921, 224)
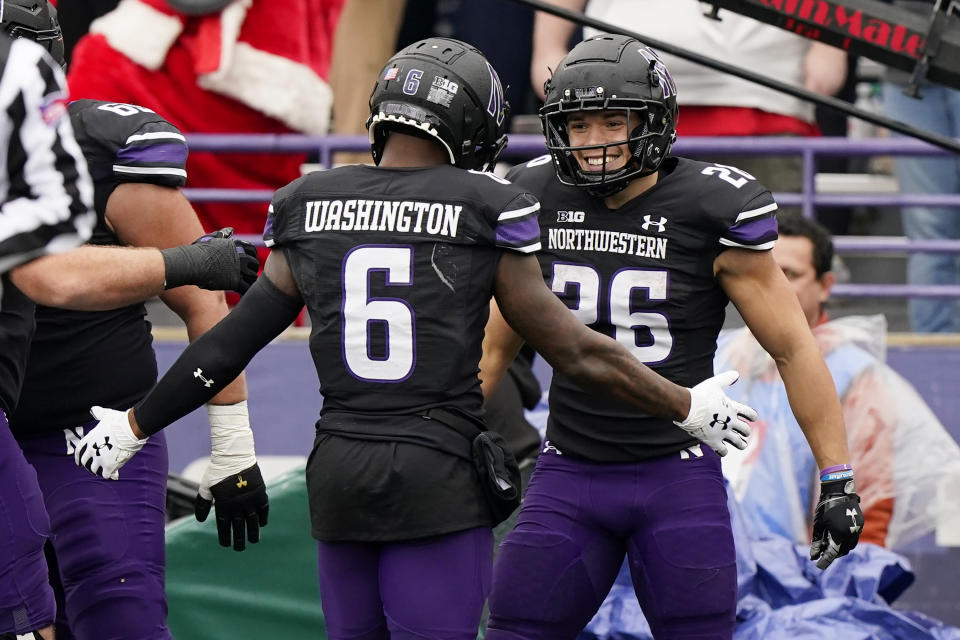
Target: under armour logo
(549, 447)
(661, 225)
(199, 374)
(854, 528)
(722, 423)
(241, 483)
(105, 445)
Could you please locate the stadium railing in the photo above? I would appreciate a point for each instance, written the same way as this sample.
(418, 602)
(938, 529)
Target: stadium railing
(525, 146)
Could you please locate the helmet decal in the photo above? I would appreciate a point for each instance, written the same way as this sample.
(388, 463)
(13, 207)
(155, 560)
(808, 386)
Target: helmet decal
(442, 91)
(665, 79)
(445, 90)
(495, 103)
(412, 83)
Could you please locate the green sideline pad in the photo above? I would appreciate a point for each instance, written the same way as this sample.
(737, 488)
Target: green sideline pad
(267, 591)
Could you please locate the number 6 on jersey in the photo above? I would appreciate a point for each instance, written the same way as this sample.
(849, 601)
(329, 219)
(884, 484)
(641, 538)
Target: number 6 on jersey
(361, 312)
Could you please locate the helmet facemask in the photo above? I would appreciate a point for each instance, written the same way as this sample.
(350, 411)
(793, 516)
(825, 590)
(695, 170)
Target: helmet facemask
(645, 146)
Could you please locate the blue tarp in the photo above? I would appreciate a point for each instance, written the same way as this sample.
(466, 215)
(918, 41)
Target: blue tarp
(784, 596)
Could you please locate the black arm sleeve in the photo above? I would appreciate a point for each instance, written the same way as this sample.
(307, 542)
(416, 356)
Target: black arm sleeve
(215, 359)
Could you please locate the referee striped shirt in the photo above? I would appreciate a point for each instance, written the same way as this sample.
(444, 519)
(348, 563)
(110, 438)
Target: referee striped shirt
(46, 196)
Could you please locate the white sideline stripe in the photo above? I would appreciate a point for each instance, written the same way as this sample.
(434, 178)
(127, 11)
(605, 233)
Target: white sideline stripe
(753, 213)
(153, 171)
(156, 135)
(755, 247)
(516, 213)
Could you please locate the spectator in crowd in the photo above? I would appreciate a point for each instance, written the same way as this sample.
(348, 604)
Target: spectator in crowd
(902, 453)
(396, 265)
(353, 69)
(252, 66)
(937, 110)
(648, 248)
(502, 29)
(713, 103)
(47, 207)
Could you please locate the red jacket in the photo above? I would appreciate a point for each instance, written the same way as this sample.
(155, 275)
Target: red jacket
(258, 66)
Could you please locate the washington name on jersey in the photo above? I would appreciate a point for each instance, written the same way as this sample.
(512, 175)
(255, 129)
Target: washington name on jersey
(643, 275)
(435, 218)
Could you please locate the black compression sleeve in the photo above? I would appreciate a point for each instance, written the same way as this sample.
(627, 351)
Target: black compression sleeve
(215, 359)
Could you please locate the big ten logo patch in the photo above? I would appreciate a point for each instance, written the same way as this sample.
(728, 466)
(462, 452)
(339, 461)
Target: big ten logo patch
(570, 216)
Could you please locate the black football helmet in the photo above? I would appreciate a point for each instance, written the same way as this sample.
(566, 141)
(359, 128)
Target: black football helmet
(444, 90)
(35, 20)
(607, 73)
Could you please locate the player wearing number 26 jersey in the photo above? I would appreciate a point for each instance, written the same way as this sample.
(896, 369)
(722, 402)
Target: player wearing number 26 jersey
(647, 249)
(643, 274)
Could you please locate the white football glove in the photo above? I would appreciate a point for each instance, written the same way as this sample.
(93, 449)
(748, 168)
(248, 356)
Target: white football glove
(108, 446)
(714, 418)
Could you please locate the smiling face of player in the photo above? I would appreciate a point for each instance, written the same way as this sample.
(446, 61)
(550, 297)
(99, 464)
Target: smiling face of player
(589, 128)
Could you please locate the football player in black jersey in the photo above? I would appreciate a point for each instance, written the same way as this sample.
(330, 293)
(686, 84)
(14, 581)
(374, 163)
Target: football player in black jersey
(396, 264)
(648, 249)
(108, 540)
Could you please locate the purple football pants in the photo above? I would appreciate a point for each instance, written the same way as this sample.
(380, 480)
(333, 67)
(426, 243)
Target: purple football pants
(669, 515)
(108, 538)
(425, 589)
(26, 600)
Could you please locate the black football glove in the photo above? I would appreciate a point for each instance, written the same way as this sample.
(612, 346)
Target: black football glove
(215, 261)
(837, 522)
(241, 507)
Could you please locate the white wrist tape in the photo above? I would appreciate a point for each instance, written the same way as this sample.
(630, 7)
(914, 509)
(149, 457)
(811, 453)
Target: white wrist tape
(231, 440)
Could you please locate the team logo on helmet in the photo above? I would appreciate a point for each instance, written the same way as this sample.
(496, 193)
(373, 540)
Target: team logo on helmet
(660, 69)
(495, 103)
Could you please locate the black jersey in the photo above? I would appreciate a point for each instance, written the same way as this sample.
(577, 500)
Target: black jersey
(643, 275)
(102, 357)
(396, 269)
(45, 191)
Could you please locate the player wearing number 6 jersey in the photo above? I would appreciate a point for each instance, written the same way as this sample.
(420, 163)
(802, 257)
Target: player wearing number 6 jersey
(647, 249)
(396, 265)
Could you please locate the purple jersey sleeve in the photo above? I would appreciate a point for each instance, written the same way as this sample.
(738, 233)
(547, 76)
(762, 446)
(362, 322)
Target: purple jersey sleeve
(755, 226)
(156, 153)
(517, 226)
(269, 238)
